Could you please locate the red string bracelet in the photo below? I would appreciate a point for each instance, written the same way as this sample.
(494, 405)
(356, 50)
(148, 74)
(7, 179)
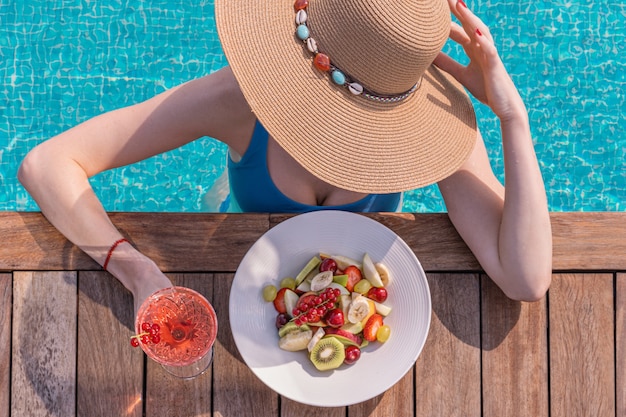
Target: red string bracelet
(111, 249)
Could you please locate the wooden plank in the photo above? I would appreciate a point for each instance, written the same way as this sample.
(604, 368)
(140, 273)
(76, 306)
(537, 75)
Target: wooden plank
(514, 355)
(195, 242)
(169, 396)
(6, 305)
(589, 241)
(236, 391)
(188, 242)
(581, 320)
(110, 371)
(290, 408)
(620, 338)
(398, 400)
(44, 344)
(448, 370)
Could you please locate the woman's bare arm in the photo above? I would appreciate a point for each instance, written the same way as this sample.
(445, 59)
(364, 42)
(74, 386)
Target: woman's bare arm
(507, 228)
(56, 172)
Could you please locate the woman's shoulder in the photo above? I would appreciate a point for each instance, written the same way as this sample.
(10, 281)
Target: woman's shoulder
(222, 109)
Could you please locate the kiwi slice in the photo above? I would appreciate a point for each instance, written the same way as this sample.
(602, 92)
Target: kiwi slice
(329, 353)
(289, 327)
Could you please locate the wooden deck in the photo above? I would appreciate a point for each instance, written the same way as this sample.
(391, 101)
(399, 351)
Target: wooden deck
(65, 326)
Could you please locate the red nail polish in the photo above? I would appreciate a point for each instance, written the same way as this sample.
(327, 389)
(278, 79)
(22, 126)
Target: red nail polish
(462, 3)
(478, 32)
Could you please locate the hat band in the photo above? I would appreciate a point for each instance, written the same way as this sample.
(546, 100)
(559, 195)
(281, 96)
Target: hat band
(323, 63)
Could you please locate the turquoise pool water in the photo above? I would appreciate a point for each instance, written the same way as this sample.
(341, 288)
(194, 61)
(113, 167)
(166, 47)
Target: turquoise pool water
(64, 61)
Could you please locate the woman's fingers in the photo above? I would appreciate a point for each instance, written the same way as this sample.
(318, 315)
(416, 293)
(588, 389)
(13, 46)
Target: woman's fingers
(458, 35)
(449, 65)
(472, 25)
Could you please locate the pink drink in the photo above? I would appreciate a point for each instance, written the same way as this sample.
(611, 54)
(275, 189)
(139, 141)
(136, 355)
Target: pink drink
(188, 326)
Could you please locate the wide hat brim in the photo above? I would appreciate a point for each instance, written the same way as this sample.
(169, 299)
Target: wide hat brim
(346, 141)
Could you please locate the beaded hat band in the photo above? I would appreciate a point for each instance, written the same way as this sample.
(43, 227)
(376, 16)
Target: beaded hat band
(415, 124)
(323, 63)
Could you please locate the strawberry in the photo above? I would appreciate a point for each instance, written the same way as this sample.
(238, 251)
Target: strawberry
(372, 326)
(279, 301)
(354, 276)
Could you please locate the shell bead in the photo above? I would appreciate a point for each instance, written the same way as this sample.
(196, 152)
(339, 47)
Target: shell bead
(302, 32)
(355, 88)
(301, 17)
(338, 77)
(322, 62)
(311, 45)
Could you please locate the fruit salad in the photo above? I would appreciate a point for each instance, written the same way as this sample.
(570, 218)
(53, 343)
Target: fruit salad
(333, 308)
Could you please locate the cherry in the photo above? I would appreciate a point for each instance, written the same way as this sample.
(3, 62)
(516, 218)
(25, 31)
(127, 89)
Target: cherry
(353, 353)
(328, 264)
(377, 294)
(335, 318)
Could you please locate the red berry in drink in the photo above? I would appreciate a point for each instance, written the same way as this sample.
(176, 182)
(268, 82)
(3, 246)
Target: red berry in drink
(145, 327)
(134, 342)
(328, 264)
(156, 327)
(377, 294)
(145, 339)
(155, 339)
(335, 317)
(353, 353)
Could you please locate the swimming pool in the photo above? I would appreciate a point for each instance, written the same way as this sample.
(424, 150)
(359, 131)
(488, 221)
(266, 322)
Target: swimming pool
(64, 61)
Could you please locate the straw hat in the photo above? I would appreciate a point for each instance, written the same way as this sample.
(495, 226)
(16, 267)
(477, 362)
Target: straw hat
(417, 126)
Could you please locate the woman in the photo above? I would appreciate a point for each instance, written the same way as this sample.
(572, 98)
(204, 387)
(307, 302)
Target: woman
(380, 111)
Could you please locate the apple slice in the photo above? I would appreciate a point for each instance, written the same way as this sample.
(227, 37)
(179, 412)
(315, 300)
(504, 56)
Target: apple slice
(344, 336)
(291, 299)
(382, 309)
(370, 272)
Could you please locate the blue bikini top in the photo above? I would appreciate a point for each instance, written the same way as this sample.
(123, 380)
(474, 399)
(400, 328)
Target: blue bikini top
(254, 191)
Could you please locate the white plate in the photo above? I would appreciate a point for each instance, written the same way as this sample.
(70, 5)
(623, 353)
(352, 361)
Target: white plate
(282, 252)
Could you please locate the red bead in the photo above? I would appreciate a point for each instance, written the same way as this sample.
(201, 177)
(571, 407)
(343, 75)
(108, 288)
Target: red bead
(301, 4)
(322, 62)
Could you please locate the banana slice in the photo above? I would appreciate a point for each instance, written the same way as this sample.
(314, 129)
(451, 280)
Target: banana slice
(383, 271)
(295, 341)
(321, 280)
(316, 338)
(359, 308)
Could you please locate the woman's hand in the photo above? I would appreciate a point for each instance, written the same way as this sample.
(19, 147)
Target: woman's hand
(485, 76)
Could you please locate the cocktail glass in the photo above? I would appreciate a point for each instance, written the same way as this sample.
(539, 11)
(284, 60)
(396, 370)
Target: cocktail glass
(187, 330)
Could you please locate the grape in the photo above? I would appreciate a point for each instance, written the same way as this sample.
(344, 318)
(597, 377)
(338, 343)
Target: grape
(382, 335)
(288, 283)
(362, 287)
(269, 293)
(281, 320)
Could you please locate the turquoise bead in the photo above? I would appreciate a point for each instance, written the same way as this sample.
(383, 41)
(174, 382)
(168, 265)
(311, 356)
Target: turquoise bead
(302, 32)
(338, 77)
